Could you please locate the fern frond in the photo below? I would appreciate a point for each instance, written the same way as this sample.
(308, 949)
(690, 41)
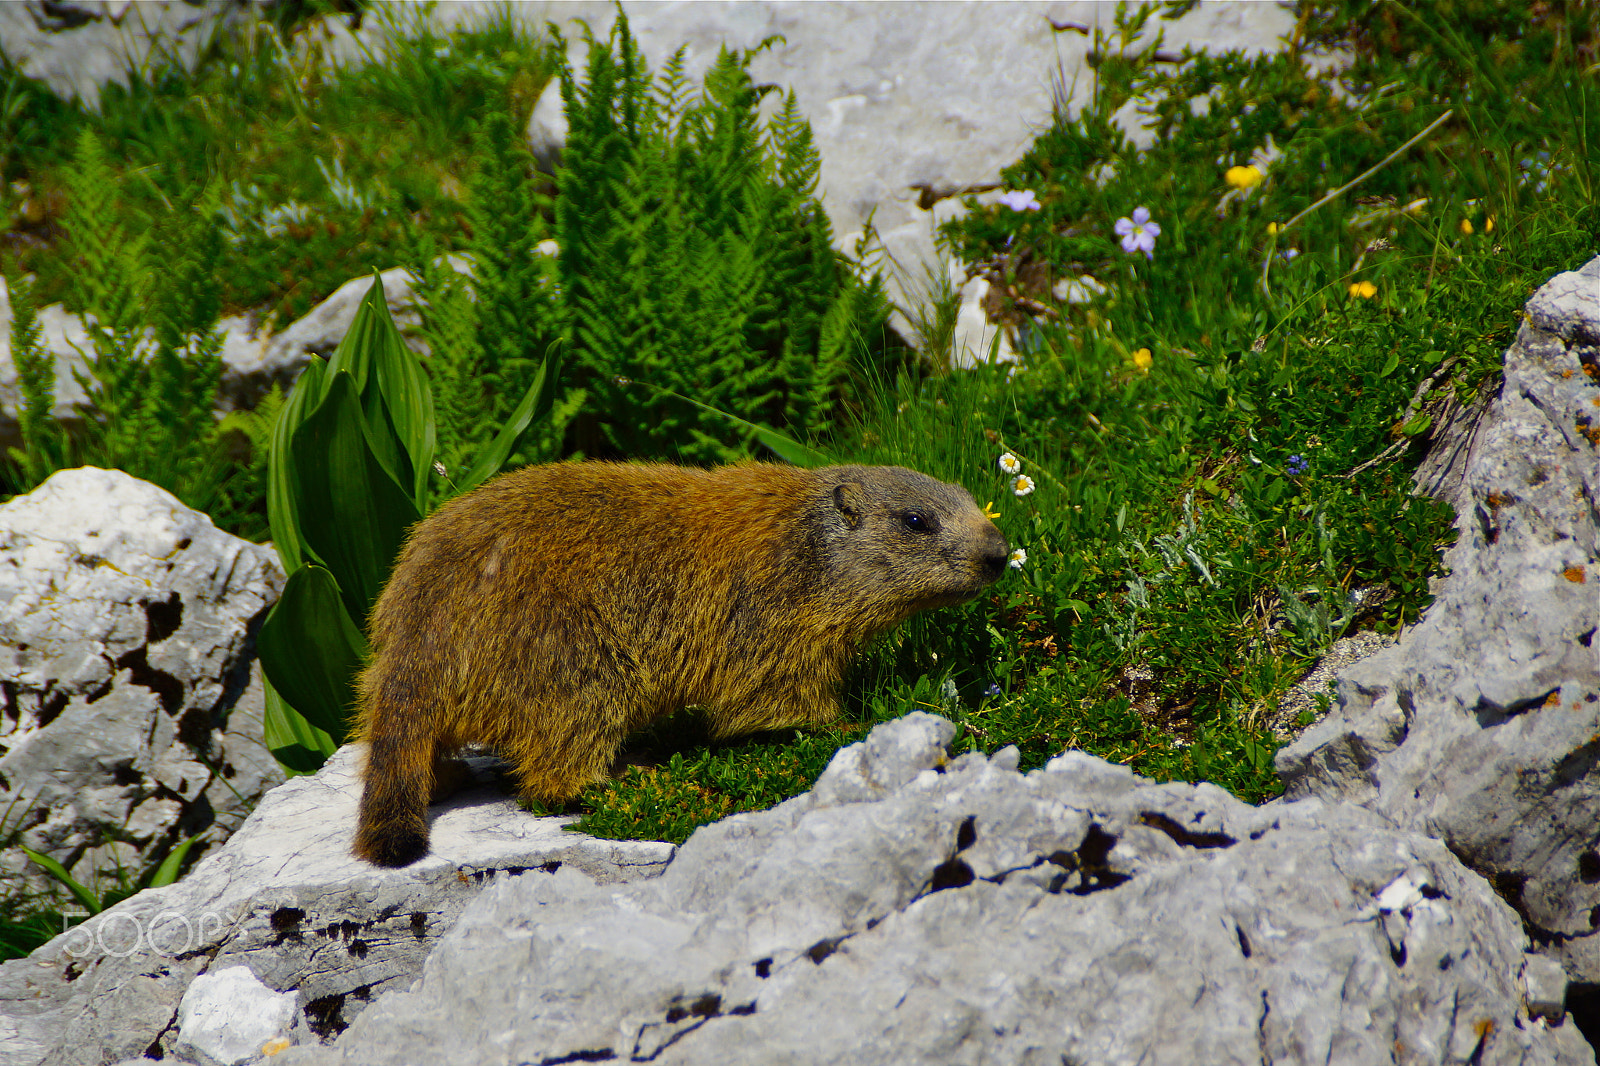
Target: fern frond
(43, 443)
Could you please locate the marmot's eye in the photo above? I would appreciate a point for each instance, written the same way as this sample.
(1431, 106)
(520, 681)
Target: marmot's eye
(916, 522)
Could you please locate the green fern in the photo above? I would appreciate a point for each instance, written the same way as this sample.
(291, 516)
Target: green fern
(44, 445)
(517, 316)
(155, 362)
(109, 281)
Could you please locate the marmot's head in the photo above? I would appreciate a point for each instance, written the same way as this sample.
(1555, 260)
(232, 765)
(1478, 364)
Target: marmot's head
(899, 542)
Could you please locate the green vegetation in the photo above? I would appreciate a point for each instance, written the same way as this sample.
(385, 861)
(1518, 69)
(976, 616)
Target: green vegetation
(695, 260)
(1219, 448)
(1206, 461)
(27, 922)
(257, 184)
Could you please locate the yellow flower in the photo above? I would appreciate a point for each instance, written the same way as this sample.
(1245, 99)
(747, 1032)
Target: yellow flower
(1364, 289)
(1243, 177)
(1488, 224)
(1466, 226)
(989, 512)
(1141, 359)
(1272, 227)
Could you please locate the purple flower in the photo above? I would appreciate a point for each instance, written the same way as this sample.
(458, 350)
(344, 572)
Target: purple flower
(1020, 200)
(1139, 233)
(1298, 464)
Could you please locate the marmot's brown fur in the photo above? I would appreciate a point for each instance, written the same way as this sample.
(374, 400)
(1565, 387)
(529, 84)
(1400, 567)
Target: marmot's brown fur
(559, 608)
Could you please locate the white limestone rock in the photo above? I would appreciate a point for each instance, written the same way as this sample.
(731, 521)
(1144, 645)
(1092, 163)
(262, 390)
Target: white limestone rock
(910, 103)
(79, 46)
(126, 641)
(1480, 726)
(227, 1017)
(1077, 913)
(286, 900)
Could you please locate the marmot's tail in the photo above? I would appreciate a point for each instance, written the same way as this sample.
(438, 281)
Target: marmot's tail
(392, 826)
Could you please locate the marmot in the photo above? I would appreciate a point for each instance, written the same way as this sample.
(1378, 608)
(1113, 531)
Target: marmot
(557, 609)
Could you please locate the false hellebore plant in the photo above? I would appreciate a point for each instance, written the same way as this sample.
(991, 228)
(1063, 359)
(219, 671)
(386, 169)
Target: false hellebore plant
(348, 474)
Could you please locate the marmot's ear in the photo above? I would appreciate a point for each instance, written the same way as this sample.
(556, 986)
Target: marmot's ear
(851, 500)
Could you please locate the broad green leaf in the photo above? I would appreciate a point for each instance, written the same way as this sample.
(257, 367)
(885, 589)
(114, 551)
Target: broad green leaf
(353, 513)
(1418, 424)
(789, 449)
(167, 872)
(536, 403)
(281, 484)
(383, 438)
(1390, 365)
(90, 901)
(402, 384)
(310, 651)
(354, 353)
(299, 746)
(394, 393)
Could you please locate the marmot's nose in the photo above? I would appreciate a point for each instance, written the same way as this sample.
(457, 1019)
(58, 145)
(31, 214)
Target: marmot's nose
(993, 551)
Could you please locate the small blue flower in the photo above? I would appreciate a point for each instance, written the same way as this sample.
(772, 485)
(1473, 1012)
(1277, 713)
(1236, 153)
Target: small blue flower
(1298, 464)
(1020, 200)
(1138, 233)
(991, 692)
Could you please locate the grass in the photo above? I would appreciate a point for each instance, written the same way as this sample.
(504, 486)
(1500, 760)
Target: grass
(320, 165)
(1219, 446)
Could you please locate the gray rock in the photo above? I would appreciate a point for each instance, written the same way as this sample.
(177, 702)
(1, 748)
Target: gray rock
(906, 912)
(1547, 983)
(253, 361)
(1480, 727)
(1311, 691)
(285, 899)
(132, 717)
(79, 46)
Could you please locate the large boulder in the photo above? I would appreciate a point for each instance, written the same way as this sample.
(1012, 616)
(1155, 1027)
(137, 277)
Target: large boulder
(132, 719)
(909, 910)
(286, 902)
(1482, 726)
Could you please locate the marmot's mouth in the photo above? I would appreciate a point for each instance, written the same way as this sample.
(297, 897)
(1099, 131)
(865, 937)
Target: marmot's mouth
(951, 598)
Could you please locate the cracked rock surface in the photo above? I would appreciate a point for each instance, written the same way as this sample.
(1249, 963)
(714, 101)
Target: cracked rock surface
(906, 911)
(130, 719)
(285, 899)
(1482, 726)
